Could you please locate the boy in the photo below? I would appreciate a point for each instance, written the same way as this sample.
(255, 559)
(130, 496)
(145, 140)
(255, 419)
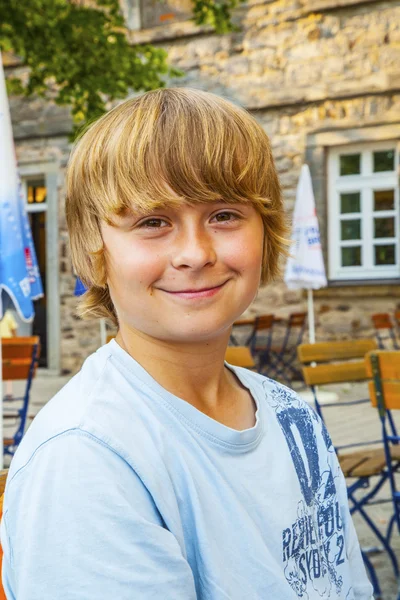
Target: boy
(159, 471)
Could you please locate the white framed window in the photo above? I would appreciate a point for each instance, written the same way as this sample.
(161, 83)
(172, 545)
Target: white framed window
(145, 14)
(35, 194)
(363, 211)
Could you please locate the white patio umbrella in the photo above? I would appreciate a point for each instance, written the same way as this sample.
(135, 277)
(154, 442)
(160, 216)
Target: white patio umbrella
(19, 274)
(305, 267)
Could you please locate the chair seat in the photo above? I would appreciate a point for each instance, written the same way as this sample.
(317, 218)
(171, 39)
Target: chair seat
(16, 415)
(365, 463)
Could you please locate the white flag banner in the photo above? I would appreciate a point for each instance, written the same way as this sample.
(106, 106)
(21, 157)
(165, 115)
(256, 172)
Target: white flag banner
(305, 267)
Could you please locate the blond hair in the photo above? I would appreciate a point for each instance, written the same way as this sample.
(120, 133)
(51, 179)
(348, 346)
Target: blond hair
(204, 147)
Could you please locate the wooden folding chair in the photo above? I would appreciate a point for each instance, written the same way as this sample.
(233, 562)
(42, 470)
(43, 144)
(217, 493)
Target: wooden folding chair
(239, 356)
(342, 362)
(3, 479)
(396, 318)
(241, 328)
(20, 361)
(385, 332)
(334, 362)
(261, 340)
(383, 367)
(282, 358)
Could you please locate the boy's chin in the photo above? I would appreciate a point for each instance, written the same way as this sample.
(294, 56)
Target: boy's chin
(200, 335)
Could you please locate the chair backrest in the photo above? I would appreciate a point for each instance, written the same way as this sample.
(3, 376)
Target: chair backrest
(335, 361)
(3, 479)
(382, 321)
(239, 356)
(296, 325)
(385, 331)
(17, 354)
(383, 367)
(297, 319)
(263, 322)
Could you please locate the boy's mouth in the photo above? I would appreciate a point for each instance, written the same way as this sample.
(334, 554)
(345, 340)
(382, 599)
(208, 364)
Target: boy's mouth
(193, 293)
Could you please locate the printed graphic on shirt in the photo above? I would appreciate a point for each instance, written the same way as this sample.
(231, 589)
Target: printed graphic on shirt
(313, 546)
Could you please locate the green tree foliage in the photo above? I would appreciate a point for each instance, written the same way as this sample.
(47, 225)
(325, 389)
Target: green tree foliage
(77, 53)
(215, 13)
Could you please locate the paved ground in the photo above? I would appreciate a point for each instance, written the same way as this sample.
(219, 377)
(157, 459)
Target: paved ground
(345, 424)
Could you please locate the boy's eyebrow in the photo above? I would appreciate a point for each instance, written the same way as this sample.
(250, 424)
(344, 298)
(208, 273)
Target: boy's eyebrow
(132, 211)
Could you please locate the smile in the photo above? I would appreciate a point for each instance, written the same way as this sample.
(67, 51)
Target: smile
(196, 294)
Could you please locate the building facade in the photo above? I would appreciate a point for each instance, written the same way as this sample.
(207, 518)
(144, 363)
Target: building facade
(323, 79)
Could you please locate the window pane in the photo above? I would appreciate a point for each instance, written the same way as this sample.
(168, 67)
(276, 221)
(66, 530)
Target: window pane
(350, 203)
(385, 255)
(350, 164)
(384, 227)
(155, 12)
(384, 161)
(351, 257)
(36, 192)
(351, 230)
(384, 200)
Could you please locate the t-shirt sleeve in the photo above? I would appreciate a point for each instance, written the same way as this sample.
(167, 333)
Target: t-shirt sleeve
(80, 523)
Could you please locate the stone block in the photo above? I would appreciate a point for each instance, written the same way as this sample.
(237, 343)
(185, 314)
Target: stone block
(292, 297)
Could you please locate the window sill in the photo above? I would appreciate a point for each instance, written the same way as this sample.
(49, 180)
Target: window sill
(360, 288)
(358, 282)
(170, 31)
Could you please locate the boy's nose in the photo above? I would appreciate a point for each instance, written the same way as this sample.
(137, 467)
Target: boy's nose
(193, 250)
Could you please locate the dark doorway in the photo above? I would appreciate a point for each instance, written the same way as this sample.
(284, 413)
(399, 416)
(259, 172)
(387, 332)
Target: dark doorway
(36, 197)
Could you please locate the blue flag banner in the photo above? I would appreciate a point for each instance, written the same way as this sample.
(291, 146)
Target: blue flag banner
(19, 273)
(79, 288)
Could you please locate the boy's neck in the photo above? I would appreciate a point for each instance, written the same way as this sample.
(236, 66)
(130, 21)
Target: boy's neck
(196, 374)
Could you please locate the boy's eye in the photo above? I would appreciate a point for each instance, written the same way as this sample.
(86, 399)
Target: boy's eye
(154, 223)
(225, 216)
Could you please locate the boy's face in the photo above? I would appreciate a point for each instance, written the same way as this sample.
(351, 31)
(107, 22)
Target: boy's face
(184, 274)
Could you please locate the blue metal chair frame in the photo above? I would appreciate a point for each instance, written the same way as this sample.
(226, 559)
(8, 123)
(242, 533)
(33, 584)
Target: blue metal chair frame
(281, 361)
(233, 341)
(20, 414)
(260, 343)
(347, 403)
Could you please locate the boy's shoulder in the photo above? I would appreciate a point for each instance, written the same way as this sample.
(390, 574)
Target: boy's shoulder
(79, 406)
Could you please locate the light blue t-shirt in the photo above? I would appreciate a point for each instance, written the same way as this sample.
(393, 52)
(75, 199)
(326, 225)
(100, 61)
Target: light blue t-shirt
(121, 490)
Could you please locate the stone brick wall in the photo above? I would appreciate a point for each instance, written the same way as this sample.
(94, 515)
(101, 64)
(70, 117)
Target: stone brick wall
(301, 67)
